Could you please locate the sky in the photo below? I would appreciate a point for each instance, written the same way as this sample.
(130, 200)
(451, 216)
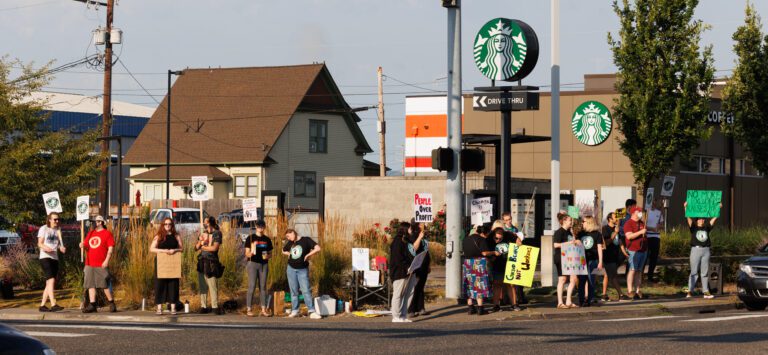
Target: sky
(407, 38)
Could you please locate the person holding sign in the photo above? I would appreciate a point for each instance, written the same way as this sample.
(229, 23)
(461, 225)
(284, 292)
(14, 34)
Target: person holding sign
(166, 241)
(403, 284)
(258, 251)
(98, 246)
(300, 250)
(613, 256)
(417, 243)
(700, 244)
(561, 238)
(475, 268)
(655, 223)
(637, 246)
(209, 269)
(501, 243)
(592, 241)
(50, 243)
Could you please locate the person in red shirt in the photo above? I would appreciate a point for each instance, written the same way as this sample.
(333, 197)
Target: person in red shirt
(637, 246)
(98, 246)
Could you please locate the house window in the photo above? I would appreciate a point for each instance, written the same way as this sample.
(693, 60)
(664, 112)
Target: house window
(304, 184)
(153, 192)
(705, 165)
(247, 186)
(318, 136)
(745, 168)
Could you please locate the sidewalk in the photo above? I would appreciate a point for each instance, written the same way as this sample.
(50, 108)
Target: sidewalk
(442, 311)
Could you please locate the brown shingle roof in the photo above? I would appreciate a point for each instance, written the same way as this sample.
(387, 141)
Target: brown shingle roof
(183, 172)
(230, 115)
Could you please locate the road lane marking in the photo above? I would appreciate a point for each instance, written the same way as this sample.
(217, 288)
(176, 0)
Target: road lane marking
(718, 319)
(56, 335)
(633, 319)
(102, 327)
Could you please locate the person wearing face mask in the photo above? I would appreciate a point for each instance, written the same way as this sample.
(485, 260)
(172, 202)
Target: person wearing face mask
(700, 253)
(637, 246)
(209, 268)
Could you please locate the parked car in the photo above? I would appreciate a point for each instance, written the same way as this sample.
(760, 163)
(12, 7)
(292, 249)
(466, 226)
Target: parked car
(187, 220)
(752, 281)
(235, 219)
(16, 342)
(8, 236)
(70, 230)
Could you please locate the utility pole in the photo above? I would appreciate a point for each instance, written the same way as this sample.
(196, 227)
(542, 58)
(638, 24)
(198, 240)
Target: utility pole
(382, 128)
(555, 123)
(107, 114)
(454, 215)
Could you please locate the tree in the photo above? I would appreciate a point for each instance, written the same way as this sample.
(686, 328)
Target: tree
(35, 161)
(664, 80)
(746, 93)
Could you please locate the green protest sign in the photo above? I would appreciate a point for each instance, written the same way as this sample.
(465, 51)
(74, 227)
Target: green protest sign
(703, 203)
(573, 211)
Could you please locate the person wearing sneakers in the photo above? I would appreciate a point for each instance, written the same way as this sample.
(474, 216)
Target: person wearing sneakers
(98, 247)
(209, 268)
(475, 269)
(612, 257)
(700, 244)
(637, 246)
(563, 237)
(258, 250)
(592, 240)
(403, 283)
(50, 243)
(299, 250)
(166, 241)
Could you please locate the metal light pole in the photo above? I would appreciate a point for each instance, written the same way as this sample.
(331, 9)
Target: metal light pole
(555, 147)
(168, 139)
(454, 215)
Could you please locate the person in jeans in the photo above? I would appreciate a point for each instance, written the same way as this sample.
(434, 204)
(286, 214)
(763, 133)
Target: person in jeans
(98, 247)
(613, 256)
(166, 241)
(592, 241)
(700, 245)
(299, 250)
(561, 238)
(258, 251)
(637, 245)
(50, 243)
(475, 268)
(403, 283)
(208, 261)
(655, 223)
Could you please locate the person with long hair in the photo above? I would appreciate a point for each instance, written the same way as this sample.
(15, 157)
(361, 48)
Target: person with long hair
(208, 266)
(592, 241)
(612, 257)
(299, 250)
(258, 251)
(500, 243)
(700, 252)
(417, 243)
(561, 238)
(166, 241)
(51, 244)
(403, 283)
(475, 269)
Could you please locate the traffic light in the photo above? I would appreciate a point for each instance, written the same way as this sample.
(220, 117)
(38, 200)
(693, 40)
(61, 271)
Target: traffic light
(442, 159)
(472, 159)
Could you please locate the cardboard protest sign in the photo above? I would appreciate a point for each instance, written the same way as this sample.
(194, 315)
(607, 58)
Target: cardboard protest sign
(703, 203)
(667, 186)
(525, 266)
(422, 207)
(509, 272)
(572, 260)
(573, 211)
(361, 259)
(250, 209)
(82, 208)
(200, 188)
(52, 202)
(417, 261)
(168, 266)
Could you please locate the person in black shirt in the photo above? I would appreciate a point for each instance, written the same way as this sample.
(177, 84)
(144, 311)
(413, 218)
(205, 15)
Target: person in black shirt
(563, 237)
(208, 244)
(403, 283)
(700, 253)
(592, 241)
(475, 269)
(501, 244)
(299, 250)
(613, 251)
(417, 306)
(258, 251)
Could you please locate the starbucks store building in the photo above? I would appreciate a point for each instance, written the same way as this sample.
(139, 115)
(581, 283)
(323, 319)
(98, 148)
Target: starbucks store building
(593, 169)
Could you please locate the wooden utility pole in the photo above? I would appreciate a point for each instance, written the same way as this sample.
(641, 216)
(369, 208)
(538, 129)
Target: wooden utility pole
(382, 128)
(107, 115)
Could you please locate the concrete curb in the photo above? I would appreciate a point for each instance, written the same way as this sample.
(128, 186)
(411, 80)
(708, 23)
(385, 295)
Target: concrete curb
(647, 310)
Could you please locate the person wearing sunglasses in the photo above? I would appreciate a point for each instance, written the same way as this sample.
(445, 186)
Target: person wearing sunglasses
(50, 243)
(166, 241)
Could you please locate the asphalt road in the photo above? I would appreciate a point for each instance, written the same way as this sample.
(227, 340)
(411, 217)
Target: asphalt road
(722, 332)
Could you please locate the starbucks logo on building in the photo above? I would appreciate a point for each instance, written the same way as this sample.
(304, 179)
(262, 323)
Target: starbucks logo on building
(52, 202)
(591, 123)
(82, 207)
(200, 188)
(506, 49)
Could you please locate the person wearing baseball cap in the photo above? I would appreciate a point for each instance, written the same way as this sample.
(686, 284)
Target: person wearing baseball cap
(637, 246)
(98, 246)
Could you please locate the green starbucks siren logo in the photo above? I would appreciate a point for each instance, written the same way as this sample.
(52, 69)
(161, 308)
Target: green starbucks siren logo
(200, 188)
(506, 49)
(82, 207)
(52, 202)
(591, 123)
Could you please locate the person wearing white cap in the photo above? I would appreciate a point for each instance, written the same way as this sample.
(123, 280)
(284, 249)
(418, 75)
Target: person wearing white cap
(98, 246)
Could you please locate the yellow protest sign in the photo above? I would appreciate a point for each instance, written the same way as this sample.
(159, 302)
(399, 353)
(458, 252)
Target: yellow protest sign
(521, 265)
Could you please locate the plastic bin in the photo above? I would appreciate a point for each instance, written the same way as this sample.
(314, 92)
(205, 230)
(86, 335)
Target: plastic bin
(325, 305)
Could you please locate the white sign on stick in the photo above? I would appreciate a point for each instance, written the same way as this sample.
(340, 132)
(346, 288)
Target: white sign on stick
(648, 198)
(422, 207)
(360, 259)
(82, 208)
(52, 202)
(481, 210)
(200, 188)
(667, 186)
(250, 209)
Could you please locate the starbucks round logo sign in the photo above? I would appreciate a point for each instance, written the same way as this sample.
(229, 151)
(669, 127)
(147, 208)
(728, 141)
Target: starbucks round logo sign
(591, 123)
(200, 188)
(506, 49)
(52, 202)
(82, 207)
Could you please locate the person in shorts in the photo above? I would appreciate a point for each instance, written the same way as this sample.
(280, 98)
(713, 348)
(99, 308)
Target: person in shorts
(98, 247)
(50, 243)
(637, 246)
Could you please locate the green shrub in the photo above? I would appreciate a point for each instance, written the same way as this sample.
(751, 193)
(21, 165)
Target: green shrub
(743, 241)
